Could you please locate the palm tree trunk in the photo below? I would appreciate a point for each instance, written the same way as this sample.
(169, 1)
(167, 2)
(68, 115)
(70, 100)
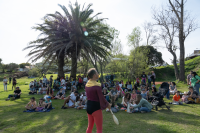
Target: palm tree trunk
(60, 65)
(74, 65)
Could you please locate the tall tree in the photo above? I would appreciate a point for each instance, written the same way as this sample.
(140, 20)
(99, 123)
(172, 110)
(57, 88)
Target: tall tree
(185, 26)
(168, 31)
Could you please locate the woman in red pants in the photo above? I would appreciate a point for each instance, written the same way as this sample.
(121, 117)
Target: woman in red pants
(96, 102)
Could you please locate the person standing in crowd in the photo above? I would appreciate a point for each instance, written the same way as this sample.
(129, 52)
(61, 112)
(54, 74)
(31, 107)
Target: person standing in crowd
(107, 78)
(10, 78)
(51, 80)
(189, 78)
(144, 77)
(96, 102)
(195, 81)
(149, 79)
(58, 78)
(5, 82)
(111, 77)
(14, 82)
(153, 77)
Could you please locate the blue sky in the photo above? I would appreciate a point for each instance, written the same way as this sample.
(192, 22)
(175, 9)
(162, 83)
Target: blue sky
(18, 16)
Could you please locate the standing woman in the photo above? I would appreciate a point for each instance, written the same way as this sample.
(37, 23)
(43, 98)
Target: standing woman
(149, 79)
(96, 102)
(195, 82)
(153, 77)
(5, 82)
(14, 82)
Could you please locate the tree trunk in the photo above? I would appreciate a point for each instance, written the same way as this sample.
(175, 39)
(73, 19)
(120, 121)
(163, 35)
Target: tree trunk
(101, 69)
(182, 47)
(60, 64)
(175, 64)
(74, 65)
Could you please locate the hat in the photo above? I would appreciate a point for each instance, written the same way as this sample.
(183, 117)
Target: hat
(185, 93)
(49, 97)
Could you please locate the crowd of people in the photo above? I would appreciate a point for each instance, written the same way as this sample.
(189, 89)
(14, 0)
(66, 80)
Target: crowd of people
(138, 95)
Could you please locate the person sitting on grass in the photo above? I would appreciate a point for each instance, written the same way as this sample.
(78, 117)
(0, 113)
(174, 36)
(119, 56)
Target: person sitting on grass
(73, 87)
(184, 97)
(119, 89)
(133, 95)
(144, 94)
(176, 98)
(172, 88)
(105, 94)
(113, 107)
(192, 96)
(48, 104)
(32, 105)
(144, 105)
(16, 95)
(78, 103)
(41, 105)
(32, 90)
(70, 100)
(154, 92)
(114, 93)
(40, 90)
(60, 94)
(129, 87)
(126, 99)
(68, 85)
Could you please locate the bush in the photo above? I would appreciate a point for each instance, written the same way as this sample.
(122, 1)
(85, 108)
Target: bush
(34, 72)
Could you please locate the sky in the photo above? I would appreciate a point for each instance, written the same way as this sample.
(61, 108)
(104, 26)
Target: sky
(19, 16)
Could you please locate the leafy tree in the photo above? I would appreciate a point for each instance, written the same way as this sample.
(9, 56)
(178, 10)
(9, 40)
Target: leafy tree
(65, 35)
(154, 57)
(12, 66)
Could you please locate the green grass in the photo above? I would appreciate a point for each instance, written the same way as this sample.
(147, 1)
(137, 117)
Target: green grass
(185, 118)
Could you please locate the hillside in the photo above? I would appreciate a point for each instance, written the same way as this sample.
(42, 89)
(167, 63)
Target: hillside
(167, 73)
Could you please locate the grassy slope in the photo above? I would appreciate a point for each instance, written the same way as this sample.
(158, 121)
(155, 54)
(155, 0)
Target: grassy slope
(167, 73)
(184, 118)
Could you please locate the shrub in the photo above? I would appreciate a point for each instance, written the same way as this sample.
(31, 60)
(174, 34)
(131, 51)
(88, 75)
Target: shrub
(34, 72)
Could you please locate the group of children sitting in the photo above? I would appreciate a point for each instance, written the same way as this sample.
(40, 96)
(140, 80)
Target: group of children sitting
(42, 105)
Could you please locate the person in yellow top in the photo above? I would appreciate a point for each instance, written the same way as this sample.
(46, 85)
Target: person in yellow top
(176, 99)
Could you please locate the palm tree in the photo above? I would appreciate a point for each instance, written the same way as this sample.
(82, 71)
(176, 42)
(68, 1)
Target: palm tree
(65, 35)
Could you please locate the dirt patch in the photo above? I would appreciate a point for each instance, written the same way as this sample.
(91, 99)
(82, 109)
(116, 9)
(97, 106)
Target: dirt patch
(158, 83)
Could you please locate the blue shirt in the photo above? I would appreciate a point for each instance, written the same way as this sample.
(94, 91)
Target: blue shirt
(48, 101)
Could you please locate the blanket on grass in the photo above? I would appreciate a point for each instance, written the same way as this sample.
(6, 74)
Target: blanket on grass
(30, 111)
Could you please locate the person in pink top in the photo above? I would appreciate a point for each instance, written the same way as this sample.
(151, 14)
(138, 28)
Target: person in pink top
(96, 102)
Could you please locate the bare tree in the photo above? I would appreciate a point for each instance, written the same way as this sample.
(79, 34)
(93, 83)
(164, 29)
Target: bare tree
(151, 38)
(185, 26)
(166, 20)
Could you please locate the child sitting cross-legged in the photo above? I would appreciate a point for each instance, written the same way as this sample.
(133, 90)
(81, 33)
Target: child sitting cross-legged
(185, 97)
(176, 99)
(32, 105)
(41, 105)
(78, 103)
(48, 103)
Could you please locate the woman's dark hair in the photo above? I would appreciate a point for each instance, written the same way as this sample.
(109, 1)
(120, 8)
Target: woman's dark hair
(91, 72)
(77, 98)
(194, 73)
(120, 82)
(154, 89)
(126, 95)
(173, 83)
(129, 82)
(33, 98)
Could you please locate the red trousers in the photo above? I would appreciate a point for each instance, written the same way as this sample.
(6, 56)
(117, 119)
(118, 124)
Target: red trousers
(97, 118)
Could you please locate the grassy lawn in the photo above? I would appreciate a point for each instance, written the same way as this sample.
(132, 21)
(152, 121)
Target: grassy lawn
(184, 118)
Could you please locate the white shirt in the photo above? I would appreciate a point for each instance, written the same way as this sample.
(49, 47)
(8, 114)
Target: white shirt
(120, 85)
(44, 80)
(64, 87)
(63, 81)
(5, 80)
(85, 79)
(31, 84)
